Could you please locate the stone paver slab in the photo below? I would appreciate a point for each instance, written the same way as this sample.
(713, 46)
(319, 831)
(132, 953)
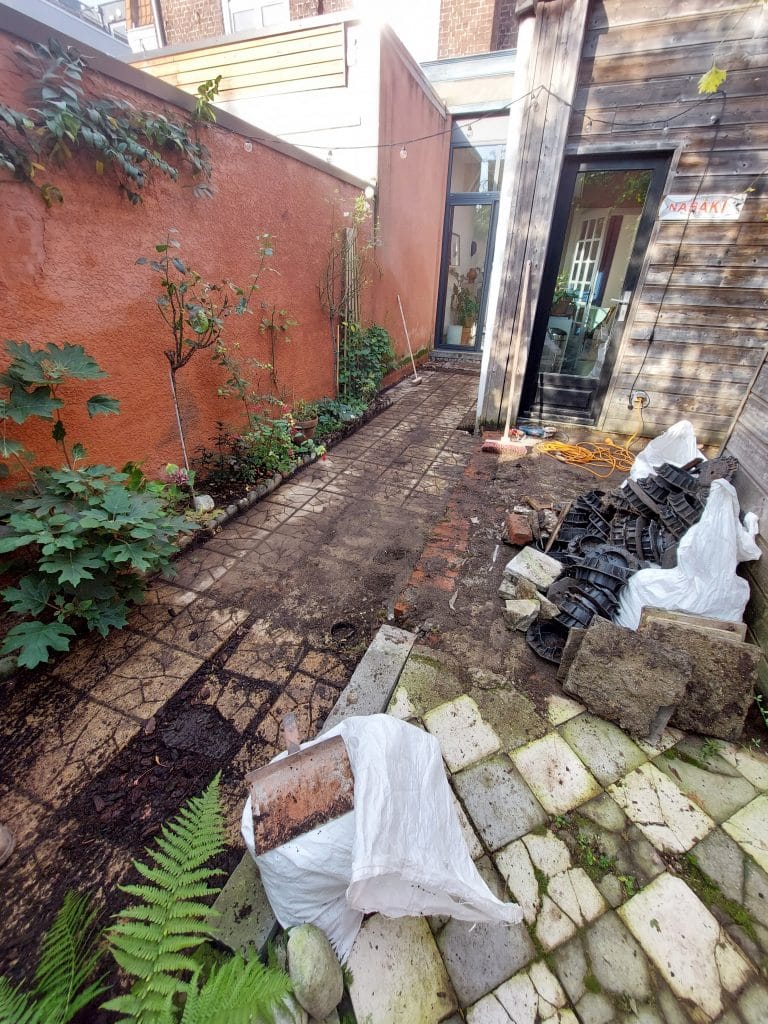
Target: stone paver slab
(662, 813)
(510, 713)
(243, 918)
(479, 957)
(685, 942)
(461, 732)
(397, 974)
(560, 709)
(555, 774)
(749, 827)
(719, 793)
(267, 652)
(499, 804)
(603, 747)
(752, 764)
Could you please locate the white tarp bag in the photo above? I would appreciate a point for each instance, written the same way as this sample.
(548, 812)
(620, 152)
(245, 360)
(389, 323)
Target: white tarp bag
(704, 582)
(677, 445)
(400, 852)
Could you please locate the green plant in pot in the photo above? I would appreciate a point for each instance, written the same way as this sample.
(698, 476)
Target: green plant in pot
(305, 417)
(563, 299)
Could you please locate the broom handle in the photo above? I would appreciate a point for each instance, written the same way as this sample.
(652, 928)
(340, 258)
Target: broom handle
(518, 342)
(407, 337)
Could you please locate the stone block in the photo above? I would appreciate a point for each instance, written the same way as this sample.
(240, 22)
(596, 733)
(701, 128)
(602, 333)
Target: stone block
(520, 614)
(626, 677)
(479, 957)
(461, 732)
(243, 920)
(532, 564)
(572, 645)
(723, 678)
(315, 972)
(516, 588)
(498, 802)
(517, 529)
(733, 630)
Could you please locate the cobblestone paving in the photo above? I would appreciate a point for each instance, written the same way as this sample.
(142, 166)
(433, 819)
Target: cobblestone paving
(122, 730)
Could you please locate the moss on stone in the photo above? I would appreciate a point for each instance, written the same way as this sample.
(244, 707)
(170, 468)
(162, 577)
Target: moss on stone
(591, 984)
(711, 895)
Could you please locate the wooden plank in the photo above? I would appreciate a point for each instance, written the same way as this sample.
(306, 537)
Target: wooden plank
(728, 165)
(726, 356)
(614, 13)
(255, 78)
(674, 32)
(752, 498)
(709, 277)
(746, 231)
(653, 367)
(276, 62)
(749, 451)
(690, 114)
(735, 55)
(760, 387)
(740, 298)
(713, 254)
(279, 88)
(686, 406)
(676, 387)
(754, 418)
(692, 335)
(648, 312)
(756, 571)
(670, 91)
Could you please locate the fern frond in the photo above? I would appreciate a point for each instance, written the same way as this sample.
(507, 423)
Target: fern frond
(149, 941)
(237, 992)
(69, 955)
(16, 1006)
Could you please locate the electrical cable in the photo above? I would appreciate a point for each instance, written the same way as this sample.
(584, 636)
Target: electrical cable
(606, 455)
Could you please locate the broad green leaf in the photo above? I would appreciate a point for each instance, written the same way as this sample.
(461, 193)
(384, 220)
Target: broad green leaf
(712, 80)
(9, 448)
(118, 501)
(71, 567)
(33, 640)
(31, 596)
(38, 402)
(78, 452)
(102, 404)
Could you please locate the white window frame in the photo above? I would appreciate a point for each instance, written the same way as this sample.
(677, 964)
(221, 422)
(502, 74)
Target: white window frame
(228, 7)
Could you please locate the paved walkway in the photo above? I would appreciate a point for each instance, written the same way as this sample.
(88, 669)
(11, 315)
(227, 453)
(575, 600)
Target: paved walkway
(269, 616)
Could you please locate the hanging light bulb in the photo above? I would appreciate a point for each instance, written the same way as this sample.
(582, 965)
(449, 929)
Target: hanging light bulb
(403, 152)
(468, 131)
(330, 155)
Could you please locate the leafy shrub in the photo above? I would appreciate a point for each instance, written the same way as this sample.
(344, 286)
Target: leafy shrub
(366, 357)
(82, 543)
(334, 413)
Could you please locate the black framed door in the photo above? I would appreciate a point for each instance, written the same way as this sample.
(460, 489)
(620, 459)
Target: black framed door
(604, 213)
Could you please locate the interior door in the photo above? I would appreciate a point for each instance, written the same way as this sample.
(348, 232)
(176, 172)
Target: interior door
(603, 217)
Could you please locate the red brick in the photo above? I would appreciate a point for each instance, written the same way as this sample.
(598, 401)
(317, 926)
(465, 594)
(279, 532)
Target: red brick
(518, 529)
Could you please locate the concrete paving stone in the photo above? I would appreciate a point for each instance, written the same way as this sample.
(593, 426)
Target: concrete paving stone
(753, 1004)
(662, 813)
(560, 709)
(720, 794)
(141, 685)
(668, 738)
(487, 1010)
(397, 974)
(474, 845)
(237, 541)
(722, 859)
(616, 960)
(548, 853)
(749, 827)
(752, 764)
(199, 569)
(429, 679)
(511, 714)
(619, 838)
(241, 916)
(595, 1008)
(463, 736)
(756, 898)
(267, 652)
(516, 867)
(369, 690)
(202, 628)
(479, 957)
(240, 701)
(607, 751)
(553, 926)
(554, 773)
(575, 894)
(497, 801)
(400, 705)
(534, 996)
(695, 957)
(94, 657)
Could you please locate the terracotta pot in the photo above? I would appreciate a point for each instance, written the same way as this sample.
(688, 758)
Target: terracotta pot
(307, 428)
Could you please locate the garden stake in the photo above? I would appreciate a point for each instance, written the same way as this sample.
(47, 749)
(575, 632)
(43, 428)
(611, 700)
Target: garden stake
(505, 442)
(416, 377)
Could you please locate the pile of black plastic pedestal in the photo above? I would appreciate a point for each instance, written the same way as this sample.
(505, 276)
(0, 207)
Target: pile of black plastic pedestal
(605, 537)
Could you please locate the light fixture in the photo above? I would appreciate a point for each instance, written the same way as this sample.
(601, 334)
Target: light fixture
(370, 192)
(330, 155)
(248, 146)
(403, 152)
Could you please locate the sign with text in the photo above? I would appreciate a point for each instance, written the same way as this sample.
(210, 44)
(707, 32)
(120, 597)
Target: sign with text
(702, 207)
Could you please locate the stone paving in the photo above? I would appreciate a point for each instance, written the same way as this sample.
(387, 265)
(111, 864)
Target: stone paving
(641, 871)
(94, 753)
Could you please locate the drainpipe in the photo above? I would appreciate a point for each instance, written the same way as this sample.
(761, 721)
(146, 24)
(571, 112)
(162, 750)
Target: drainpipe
(514, 131)
(157, 16)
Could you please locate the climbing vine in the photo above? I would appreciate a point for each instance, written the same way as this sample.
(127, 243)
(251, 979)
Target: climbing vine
(64, 119)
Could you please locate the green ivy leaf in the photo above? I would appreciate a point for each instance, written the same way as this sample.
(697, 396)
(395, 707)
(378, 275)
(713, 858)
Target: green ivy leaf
(31, 596)
(102, 404)
(712, 80)
(33, 640)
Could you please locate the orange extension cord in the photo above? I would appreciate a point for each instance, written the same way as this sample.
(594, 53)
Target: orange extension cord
(608, 455)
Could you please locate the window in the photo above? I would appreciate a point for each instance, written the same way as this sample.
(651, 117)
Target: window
(241, 15)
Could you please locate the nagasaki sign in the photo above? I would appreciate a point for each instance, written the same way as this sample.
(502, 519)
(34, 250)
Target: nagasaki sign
(701, 207)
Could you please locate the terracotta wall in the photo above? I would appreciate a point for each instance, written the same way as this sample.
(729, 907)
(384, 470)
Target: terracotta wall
(69, 274)
(411, 199)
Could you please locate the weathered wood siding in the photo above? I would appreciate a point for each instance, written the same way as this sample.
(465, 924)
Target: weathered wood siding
(749, 443)
(310, 58)
(702, 295)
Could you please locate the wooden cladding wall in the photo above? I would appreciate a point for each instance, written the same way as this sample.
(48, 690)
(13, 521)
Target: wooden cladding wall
(698, 327)
(307, 59)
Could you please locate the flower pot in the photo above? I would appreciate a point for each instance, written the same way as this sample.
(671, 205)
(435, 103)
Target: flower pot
(307, 427)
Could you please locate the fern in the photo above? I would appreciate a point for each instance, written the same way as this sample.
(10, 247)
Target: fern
(69, 954)
(237, 992)
(151, 939)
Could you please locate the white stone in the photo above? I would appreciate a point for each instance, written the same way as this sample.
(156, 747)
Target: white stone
(553, 926)
(667, 739)
(687, 945)
(488, 1010)
(515, 588)
(400, 706)
(315, 972)
(519, 998)
(547, 986)
(520, 614)
(517, 871)
(576, 895)
(548, 853)
(753, 765)
(398, 976)
(203, 503)
(562, 709)
(749, 827)
(607, 751)
(534, 565)
(556, 776)
(463, 735)
(663, 814)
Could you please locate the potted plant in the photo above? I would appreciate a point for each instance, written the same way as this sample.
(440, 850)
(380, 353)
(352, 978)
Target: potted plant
(563, 299)
(305, 417)
(465, 308)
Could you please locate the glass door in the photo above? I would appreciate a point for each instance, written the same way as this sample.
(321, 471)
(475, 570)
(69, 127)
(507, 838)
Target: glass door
(603, 217)
(467, 257)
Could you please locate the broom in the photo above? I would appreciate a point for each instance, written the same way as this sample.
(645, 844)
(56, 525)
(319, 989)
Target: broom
(505, 442)
(416, 378)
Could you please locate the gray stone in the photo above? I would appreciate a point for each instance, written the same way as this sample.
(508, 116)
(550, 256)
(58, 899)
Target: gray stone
(722, 859)
(515, 588)
(375, 677)
(603, 748)
(595, 1008)
(617, 962)
(720, 794)
(332, 1018)
(243, 919)
(547, 609)
(203, 503)
(749, 827)
(733, 630)
(532, 564)
(722, 683)
(479, 957)
(498, 802)
(290, 1012)
(520, 614)
(314, 970)
(626, 677)
(754, 1005)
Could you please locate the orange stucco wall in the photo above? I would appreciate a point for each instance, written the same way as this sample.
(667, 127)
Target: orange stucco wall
(69, 274)
(411, 201)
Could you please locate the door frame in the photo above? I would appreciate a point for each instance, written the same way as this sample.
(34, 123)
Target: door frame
(659, 164)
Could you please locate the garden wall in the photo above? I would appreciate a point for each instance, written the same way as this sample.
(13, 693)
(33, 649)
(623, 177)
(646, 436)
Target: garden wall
(69, 273)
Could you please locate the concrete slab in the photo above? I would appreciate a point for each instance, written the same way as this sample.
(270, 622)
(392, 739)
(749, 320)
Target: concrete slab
(243, 919)
(555, 775)
(480, 957)
(603, 747)
(720, 793)
(498, 802)
(463, 735)
(749, 827)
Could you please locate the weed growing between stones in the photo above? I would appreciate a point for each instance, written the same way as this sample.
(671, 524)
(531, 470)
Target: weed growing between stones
(711, 895)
